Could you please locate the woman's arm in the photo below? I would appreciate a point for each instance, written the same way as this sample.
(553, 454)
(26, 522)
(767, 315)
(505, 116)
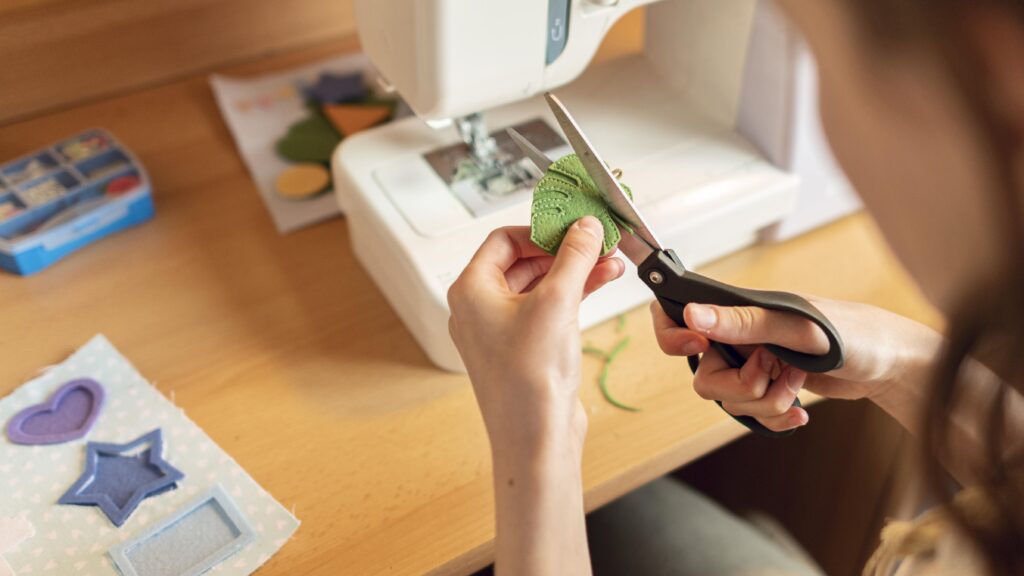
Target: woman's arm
(515, 314)
(538, 501)
(905, 396)
(889, 360)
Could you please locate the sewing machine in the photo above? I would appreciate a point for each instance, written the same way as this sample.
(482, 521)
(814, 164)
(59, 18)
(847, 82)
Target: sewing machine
(714, 126)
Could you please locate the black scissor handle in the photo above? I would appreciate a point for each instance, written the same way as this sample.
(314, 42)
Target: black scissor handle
(675, 287)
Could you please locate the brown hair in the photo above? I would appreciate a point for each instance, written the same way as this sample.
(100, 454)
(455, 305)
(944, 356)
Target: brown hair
(988, 325)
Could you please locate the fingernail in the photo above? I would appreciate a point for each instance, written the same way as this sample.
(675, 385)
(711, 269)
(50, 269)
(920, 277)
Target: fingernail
(767, 360)
(703, 317)
(798, 419)
(591, 226)
(691, 348)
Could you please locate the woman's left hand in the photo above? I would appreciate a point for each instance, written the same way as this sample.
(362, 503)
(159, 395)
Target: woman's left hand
(514, 319)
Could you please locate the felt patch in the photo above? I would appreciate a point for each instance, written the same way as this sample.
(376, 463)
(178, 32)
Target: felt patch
(302, 180)
(310, 140)
(67, 415)
(13, 531)
(193, 540)
(335, 88)
(118, 477)
(74, 540)
(352, 118)
(565, 194)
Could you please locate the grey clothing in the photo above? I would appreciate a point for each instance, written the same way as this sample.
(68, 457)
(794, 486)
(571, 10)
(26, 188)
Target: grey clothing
(666, 528)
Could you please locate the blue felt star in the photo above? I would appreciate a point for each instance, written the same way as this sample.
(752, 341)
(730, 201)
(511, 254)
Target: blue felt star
(118, 477)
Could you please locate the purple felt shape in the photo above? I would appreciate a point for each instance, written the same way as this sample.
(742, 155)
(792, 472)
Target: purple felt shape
(118, 477)
(67, 415)
(335, 88)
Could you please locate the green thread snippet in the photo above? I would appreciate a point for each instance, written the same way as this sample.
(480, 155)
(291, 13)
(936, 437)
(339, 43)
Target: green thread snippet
(602, 378)
(565, 194)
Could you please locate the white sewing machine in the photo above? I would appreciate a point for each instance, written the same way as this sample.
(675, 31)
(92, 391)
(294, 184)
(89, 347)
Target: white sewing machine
(714, 126)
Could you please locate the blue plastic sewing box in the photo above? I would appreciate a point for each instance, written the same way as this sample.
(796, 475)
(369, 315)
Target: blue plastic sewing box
(59, 199)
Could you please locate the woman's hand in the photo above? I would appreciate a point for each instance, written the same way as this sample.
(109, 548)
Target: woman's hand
(881, 348)
(515, 322)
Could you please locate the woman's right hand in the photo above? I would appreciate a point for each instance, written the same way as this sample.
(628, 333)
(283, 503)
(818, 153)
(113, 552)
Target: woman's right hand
(881, 349)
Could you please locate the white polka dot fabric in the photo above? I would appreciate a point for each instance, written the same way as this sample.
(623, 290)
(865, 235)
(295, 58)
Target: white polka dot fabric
(75, 539)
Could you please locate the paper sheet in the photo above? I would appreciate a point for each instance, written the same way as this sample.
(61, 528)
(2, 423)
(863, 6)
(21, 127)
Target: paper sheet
(75, 539)
(258, 111)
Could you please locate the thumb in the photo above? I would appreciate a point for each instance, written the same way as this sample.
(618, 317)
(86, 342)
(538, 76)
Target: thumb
(576, 257)
(754, 325)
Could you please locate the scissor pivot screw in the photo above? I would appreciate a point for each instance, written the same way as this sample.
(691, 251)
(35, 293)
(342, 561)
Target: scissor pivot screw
(655, 277)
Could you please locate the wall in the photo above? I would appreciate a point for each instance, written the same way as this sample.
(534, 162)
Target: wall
(59, 52)
(56, 52)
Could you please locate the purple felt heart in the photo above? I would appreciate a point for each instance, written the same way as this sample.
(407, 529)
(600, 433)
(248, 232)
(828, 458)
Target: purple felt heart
(67, 415)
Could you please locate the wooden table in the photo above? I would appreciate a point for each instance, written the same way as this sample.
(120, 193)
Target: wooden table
(283, 350)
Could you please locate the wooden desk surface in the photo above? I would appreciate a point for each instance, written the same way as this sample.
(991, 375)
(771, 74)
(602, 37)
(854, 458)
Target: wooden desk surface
(284, 352)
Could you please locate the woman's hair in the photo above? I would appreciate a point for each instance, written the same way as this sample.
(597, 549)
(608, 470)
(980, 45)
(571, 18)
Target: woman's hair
(988, 324)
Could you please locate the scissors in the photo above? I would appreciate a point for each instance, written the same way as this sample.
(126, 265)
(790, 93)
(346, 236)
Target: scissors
(672, 284)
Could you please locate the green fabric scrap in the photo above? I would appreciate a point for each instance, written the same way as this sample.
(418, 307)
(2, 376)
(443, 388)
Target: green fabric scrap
(565, 194)
(311, 139)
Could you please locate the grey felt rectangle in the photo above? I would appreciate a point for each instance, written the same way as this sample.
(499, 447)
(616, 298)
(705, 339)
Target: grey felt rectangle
(190, 542)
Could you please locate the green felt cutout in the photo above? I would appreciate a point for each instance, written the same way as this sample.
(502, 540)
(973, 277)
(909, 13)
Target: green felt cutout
(565, 194)
(310, 140)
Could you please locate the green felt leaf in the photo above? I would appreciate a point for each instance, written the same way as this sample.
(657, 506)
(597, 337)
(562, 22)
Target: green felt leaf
(565, 194)
(310, 140)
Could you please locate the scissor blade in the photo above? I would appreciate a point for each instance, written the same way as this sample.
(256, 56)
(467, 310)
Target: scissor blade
(539, 159)
(610, 188)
